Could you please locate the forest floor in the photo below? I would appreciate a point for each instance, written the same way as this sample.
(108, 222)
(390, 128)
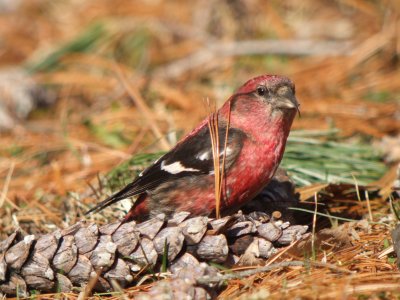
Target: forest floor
(88, 84)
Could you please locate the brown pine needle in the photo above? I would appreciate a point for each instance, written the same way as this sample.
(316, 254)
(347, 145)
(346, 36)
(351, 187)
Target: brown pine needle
(142, 106)
(369, 206)
(239, 275)
(213, 127)
(4, 191)
(90, 285)
(225, 147)
(219, 167)
(314, 226)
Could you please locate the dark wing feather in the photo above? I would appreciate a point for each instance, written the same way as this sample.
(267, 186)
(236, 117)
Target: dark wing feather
(191, 157)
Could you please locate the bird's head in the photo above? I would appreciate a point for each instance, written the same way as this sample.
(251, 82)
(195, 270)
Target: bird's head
(277, 93)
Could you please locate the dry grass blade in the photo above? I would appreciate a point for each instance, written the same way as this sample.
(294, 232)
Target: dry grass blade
(369, 206)
(271, 267)
(4, 191)
(314, 222)
(306, 192)
(119, 289)
(219, 166)
(140, 103)
(214, 136)
(225, 150)
(281, 253)
(90, 285)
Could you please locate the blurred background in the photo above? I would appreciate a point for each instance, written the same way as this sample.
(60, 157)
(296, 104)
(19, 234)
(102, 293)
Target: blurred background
(85, 84)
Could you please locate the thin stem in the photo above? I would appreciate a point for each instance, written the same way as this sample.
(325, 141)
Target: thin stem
(225, 147)
(239, 275)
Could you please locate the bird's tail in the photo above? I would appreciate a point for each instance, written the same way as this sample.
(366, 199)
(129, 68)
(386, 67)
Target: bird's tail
(103, 204)
(122, 194)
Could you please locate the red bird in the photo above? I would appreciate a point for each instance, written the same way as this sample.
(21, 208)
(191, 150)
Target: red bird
(260, 115)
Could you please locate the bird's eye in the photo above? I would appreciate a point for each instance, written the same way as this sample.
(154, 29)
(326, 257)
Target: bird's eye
(261, 90)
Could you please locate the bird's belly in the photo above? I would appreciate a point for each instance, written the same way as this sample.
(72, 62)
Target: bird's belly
(247, 178)
(195, 194)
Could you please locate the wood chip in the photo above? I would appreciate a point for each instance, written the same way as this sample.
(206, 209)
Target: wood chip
(173, 238)
(240, 244)
(259, 216)
(213, 248)
(240, 228)
(276, 215)
(194, 229)
(104, 255)
(67, 255)
(86, 238)
(64, 285)
(265, 248)
(178, 218)
(80, 273)
(269, 231)
(109, 229)
(121, 273)
(291, 234)
(17, 254)
(251, 255)
(126, 238)
(220, 225)
(37, 273)
(186, 260)
(102, 285)
(3, 267)
(145, 254)
(151, 227)
(71, 230)
(4, 245)
(47, 244)
(15, 286)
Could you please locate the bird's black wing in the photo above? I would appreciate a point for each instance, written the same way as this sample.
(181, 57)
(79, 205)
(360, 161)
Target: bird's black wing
(191, 157)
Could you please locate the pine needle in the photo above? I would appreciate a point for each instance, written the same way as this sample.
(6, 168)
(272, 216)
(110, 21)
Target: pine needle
(213, 127)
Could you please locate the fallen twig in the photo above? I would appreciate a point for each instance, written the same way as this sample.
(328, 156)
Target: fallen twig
(296, 263)
(213, 53)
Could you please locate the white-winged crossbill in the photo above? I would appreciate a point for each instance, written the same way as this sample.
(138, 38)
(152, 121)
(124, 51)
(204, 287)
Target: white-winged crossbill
(260, 115)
